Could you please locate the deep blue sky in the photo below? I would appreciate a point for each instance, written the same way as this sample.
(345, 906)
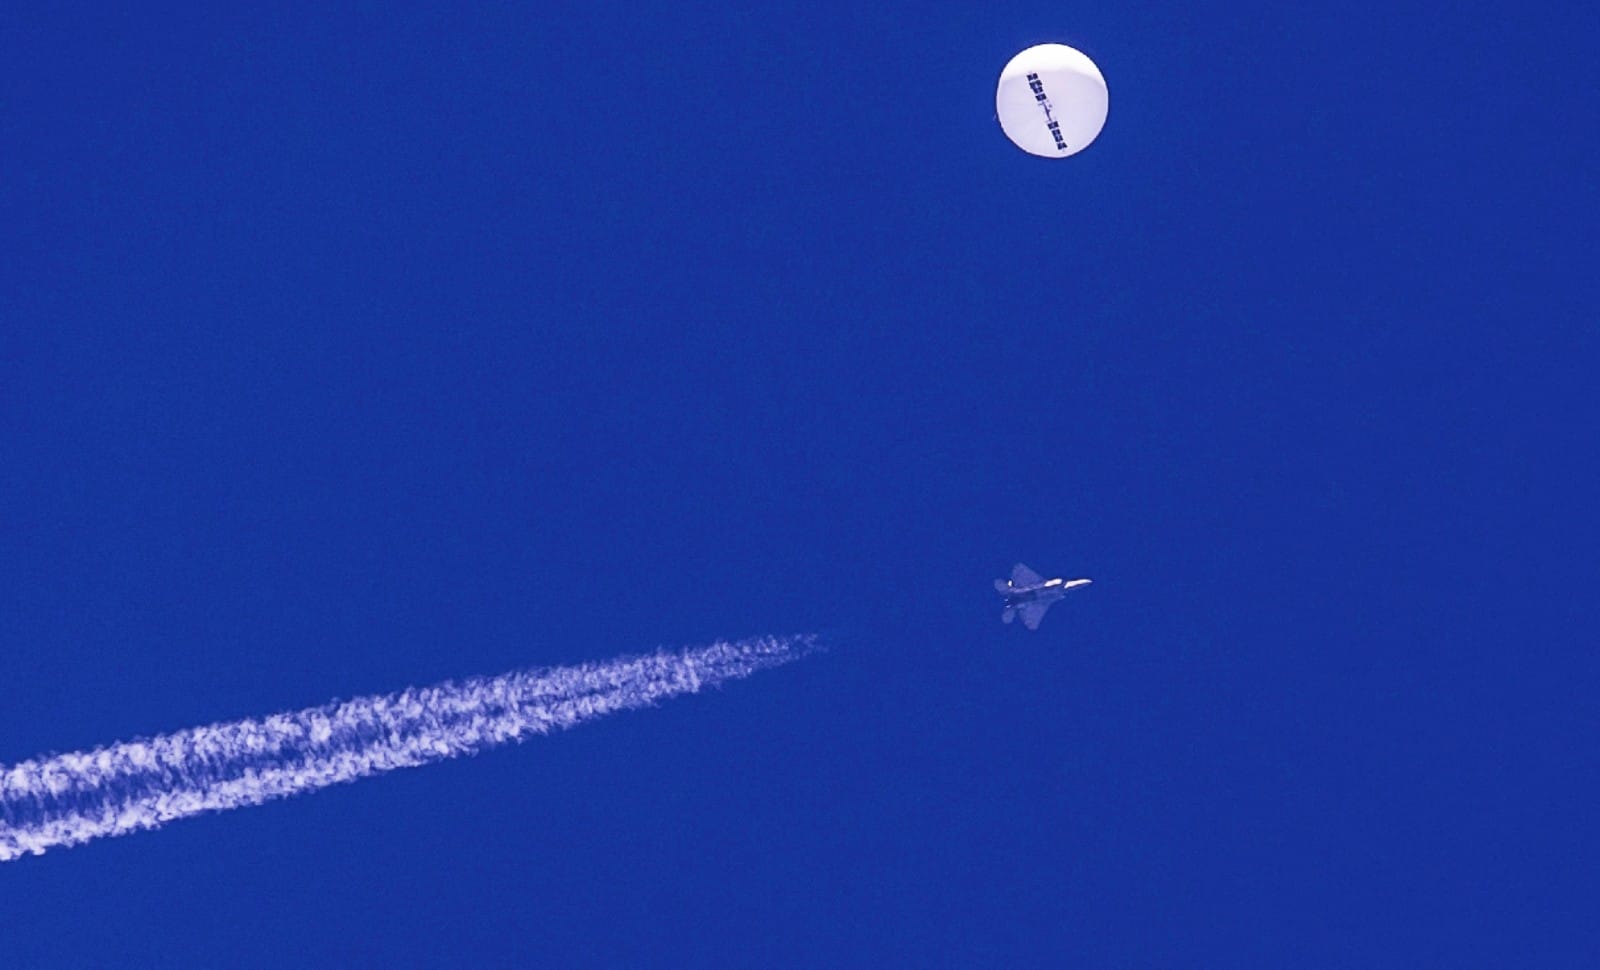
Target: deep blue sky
(347, 350)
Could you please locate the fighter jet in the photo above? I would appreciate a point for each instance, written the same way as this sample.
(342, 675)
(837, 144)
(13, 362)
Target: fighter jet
(1028, 594)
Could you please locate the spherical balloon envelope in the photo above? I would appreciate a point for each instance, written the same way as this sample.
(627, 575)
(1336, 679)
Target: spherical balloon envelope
(1052, 101)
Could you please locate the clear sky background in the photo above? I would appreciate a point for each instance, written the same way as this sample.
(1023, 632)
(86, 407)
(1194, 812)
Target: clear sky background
(345, 350)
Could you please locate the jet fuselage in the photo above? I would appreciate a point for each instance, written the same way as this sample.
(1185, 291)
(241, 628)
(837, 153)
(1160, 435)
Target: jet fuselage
(1046, 592)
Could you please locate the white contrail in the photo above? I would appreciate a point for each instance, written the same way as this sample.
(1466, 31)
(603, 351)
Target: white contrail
(71, 798)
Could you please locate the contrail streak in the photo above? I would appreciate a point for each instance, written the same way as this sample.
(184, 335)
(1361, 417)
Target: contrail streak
(69, 799)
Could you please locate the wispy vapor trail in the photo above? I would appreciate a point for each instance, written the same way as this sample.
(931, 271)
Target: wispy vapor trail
(72, 798)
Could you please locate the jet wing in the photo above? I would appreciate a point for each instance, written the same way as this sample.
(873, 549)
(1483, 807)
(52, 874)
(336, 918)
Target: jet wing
(1023, 576)
(1032, 613)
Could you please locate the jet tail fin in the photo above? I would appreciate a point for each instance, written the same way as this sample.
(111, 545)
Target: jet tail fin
(1008, 614)
(1002, 586)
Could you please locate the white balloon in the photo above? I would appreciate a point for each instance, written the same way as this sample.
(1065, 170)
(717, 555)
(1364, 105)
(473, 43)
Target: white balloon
(1052, 100)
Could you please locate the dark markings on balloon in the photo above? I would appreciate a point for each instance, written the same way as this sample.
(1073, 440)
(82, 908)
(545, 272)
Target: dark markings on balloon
(1037, 87)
